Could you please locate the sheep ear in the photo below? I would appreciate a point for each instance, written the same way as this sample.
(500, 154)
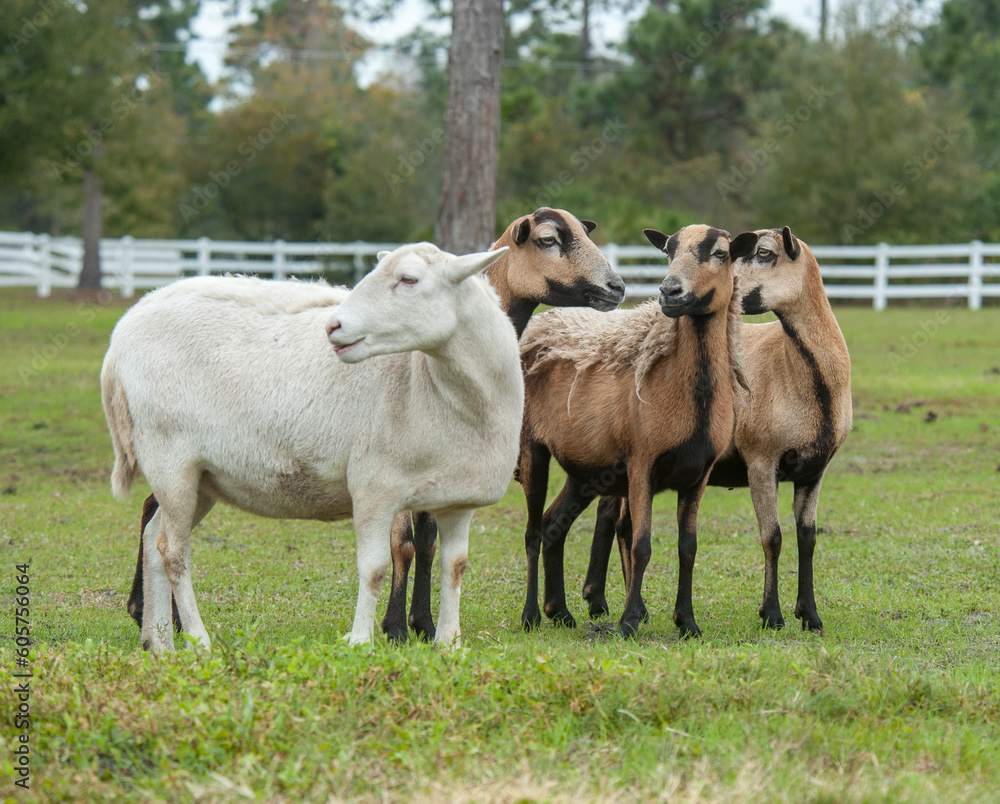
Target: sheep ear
(742, 245)
(382, 255)
(461, 268)
(521, 231)
(657, 238)
(792, 247)
(589, 226)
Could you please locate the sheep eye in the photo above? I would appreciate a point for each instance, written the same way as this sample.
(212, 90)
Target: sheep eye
(764, 253)
(546, 242)
(721, 254)
(409, 281)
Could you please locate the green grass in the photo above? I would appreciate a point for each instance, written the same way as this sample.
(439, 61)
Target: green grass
(898, 701)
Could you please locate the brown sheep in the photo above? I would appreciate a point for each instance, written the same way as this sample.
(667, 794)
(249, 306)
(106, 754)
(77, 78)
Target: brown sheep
(799, 373)
(631, 403)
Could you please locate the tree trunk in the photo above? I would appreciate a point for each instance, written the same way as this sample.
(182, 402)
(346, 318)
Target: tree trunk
(467, 216)
(93, 200)
(585, 41)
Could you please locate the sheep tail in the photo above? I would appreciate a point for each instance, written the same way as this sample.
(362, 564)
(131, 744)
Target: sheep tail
(120, 424)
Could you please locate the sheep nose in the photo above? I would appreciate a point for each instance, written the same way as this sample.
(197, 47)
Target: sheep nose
(671, 288)
(332, 327)
(617, 286)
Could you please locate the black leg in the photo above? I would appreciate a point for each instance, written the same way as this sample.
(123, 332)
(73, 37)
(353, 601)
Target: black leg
(401, 541)
(425, 542)
(608, 512)
(570, 503)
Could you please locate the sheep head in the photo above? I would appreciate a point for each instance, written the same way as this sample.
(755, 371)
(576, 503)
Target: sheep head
(553, 261)
(408, 302)
(773, 274)
(699, 276)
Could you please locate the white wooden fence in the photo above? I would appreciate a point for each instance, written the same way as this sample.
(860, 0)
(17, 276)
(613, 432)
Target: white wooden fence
(968, 271)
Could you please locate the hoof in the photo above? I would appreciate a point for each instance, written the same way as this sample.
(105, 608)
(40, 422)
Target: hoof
(531, 621)
(629, 628)
(394, 629)
(425, 630)
(563, 618)
(687, 626)
(810, 619)
(771, 617)
(598, 606)
(643, 612)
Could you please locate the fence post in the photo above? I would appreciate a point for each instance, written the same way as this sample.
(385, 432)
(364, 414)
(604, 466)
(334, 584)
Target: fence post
(279, 259)
(127, 270)
(881, 277)
(359, 264)
(976, 275)
(44, 265)
(204, 256)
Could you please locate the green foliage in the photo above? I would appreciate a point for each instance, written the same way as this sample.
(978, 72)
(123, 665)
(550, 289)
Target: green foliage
(897, 701)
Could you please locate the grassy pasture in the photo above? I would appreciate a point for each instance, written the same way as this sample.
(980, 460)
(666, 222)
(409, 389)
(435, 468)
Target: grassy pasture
(898, 701)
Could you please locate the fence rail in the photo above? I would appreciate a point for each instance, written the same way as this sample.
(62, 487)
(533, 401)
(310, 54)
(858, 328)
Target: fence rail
(969, 271)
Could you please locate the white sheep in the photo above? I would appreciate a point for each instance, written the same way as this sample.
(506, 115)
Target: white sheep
(227, 389)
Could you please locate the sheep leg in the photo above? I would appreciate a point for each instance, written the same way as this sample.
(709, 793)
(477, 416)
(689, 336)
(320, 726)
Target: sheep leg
(425, 542)
(371, 523)
(134, 603)
(623, 530)
(640, 497)
(173, 545)
(594, 585)
(764, 493)
(805, 503)
(401, 540)
(533, 471)
(454, 527)
(688, 502)
(156, 634)
(571, 502)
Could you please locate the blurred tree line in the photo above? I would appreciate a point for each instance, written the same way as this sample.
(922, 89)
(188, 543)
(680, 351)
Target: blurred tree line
(708, 110)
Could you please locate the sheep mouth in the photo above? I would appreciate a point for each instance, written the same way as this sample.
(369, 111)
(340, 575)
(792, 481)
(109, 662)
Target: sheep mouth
(674, 305)
(342, 348)
(604, 299)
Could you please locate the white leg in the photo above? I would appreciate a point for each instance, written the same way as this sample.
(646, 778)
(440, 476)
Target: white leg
(179, 515)
(372, 531)
(157, 629)
(453, 527)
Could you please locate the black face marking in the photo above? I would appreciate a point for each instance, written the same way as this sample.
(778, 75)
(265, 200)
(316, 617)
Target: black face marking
(765, 256)
(753, 302)
(672, 244)
(707, 246)
(565, 235)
